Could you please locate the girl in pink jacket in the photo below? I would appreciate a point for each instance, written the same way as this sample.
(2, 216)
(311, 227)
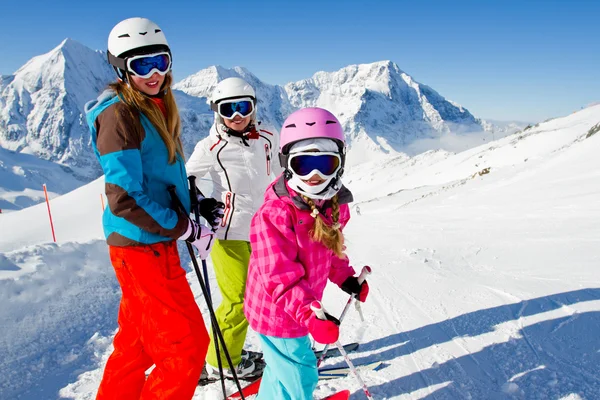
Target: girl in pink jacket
(297, 245)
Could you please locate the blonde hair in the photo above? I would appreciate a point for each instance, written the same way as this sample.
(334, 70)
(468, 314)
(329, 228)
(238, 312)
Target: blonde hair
(168, 128)
(330, 235)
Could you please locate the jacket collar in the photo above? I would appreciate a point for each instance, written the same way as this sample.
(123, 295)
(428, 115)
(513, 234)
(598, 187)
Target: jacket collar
(281, 189)
(243, 139)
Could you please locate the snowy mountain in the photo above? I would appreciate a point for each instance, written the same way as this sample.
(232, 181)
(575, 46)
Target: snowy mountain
(381, 104)
(484, 283)
(384, 111)
(273, 105)
(41, 105)
(42, 114)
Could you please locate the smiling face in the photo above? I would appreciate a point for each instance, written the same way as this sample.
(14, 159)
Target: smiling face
(314, 180)
(238, 123)
(150, 86)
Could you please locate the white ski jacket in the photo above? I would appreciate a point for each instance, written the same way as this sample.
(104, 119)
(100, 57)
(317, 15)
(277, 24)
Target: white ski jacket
(240, 173)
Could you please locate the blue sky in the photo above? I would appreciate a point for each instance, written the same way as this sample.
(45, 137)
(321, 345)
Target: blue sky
(506, 60)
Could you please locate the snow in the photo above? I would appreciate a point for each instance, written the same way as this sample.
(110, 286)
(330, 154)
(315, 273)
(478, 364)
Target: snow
(484, 286)
(22, 176)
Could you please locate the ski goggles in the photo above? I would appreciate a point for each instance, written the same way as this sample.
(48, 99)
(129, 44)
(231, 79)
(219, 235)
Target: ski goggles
(230, 108)
(304, 164)
(146, 65)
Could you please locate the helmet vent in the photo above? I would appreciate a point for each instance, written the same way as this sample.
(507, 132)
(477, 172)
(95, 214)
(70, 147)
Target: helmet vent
(330, 122)
(143, 33)
(310, 123)
(124, 35)
(291, 126)
(157, 30)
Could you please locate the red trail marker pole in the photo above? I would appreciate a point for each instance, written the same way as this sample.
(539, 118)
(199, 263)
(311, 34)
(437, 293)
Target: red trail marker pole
(49, 213)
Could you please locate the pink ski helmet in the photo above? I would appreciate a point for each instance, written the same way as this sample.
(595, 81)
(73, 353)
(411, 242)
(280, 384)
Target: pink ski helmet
(310, 123)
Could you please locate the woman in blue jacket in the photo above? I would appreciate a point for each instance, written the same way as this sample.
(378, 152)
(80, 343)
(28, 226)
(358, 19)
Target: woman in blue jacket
(135, 130)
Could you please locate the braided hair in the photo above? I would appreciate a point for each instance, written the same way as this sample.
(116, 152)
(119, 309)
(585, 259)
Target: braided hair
(330, 236)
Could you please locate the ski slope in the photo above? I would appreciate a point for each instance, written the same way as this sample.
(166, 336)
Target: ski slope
(483, 287)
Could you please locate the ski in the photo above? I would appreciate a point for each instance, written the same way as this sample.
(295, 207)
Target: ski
(334, 351)
(324, 374)
(207, 381)
(257, 374)
(333, 373)
(342, 395)
(248, 390)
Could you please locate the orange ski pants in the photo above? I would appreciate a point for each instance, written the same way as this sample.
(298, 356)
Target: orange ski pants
(159, 324)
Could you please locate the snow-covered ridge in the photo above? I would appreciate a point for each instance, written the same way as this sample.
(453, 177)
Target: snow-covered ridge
(273, 105)
(517, 151)
(383, 109)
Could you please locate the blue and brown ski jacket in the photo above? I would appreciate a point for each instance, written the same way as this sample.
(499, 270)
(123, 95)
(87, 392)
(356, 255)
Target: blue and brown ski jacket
(137, 175)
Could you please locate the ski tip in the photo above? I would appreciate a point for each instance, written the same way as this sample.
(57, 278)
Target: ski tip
(343, 395)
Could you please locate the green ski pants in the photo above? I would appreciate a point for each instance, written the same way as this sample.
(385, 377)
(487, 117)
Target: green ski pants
(230, 260)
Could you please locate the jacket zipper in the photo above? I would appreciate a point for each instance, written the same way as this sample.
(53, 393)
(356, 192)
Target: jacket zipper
(268, 154)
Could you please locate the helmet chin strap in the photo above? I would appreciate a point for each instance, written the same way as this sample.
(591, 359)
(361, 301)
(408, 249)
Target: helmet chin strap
(249, 132)
(329, 190)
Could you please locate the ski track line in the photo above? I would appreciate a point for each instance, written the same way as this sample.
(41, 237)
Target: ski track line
(456, 341)
(530, 342)
(397, 328)
(418, 366)
(444, 356)
(555, 359)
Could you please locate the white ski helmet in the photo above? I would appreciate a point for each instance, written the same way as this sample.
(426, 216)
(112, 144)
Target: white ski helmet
(134, 36)
(229, 89)
(232, 88)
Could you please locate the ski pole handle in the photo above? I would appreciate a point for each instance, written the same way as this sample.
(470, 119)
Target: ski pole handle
(361, 278)
(318, 309)
(366, 270)
(194, 197)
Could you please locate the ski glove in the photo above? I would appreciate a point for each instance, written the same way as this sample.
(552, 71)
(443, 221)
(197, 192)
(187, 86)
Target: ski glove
(200, 236)
(352, 287)
(324, 331)
(211, 210)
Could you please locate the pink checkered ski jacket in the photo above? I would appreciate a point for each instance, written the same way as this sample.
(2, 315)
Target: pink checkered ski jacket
(287, 269)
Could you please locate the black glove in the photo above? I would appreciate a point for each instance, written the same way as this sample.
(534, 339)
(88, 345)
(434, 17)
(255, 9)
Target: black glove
(211, 210)
(352, 287)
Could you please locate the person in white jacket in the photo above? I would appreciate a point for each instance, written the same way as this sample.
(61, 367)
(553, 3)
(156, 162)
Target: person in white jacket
(238, 159)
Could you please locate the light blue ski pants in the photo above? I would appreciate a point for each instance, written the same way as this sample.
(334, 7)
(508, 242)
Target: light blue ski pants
(291, 371)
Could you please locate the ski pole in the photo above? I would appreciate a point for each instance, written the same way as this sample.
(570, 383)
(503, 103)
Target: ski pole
(195, 207)
(194, 197)
(366, 270)
(211, 311)
(319, 311)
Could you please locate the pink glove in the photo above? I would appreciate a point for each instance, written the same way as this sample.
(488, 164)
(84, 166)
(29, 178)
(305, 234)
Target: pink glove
(200, 236)
(324, 331)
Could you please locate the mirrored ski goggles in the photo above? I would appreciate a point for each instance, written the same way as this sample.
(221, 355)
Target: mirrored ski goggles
(146, 65)
(230, 108)
(304, 164)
